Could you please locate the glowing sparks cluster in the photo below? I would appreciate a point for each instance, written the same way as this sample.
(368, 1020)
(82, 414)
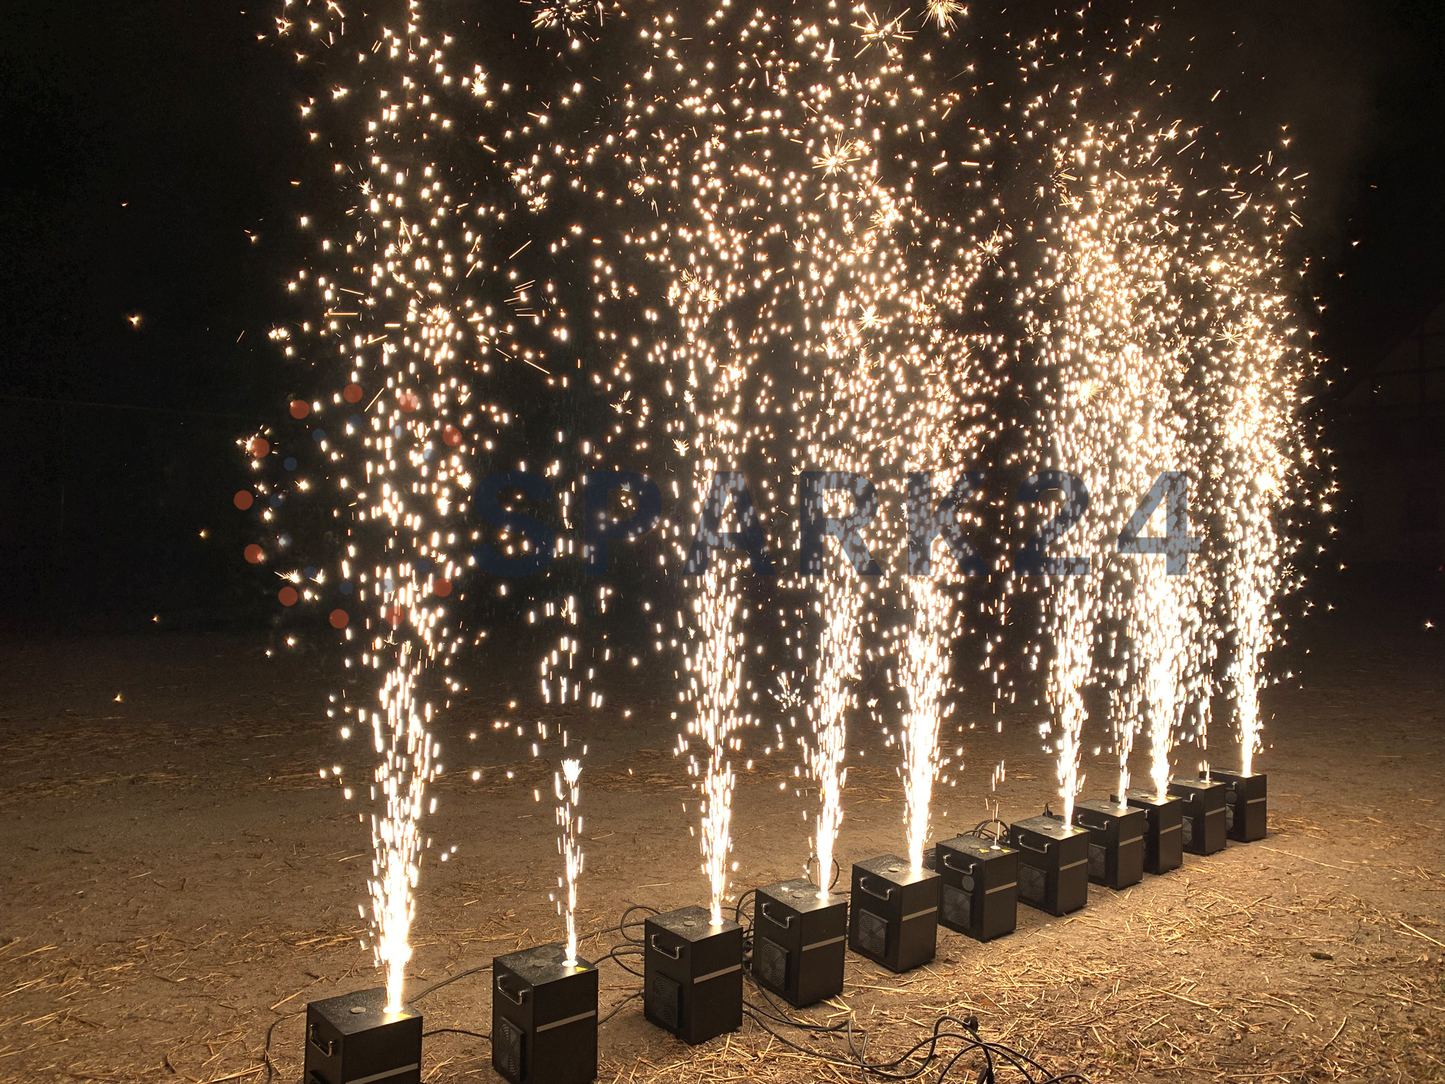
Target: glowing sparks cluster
(393, 340)
(567, 788)
(776, 219)
(816, 309)
(840, 265)
(1169, 364)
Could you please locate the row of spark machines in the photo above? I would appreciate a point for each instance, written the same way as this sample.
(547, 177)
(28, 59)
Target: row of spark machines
(544, 1006)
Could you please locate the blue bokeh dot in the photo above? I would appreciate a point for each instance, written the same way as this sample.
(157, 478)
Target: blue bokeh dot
(319, 435)
(289, 464)
(346, 587)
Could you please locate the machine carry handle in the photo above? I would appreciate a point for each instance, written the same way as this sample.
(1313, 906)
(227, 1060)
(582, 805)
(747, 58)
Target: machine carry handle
(784, 923)
(675, 955)
(1023, 841)
(515, 999)
(885, 897)
(956, 869)
(327, 1047)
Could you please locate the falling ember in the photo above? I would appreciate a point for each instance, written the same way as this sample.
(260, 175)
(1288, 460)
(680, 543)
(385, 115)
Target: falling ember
(569, 842)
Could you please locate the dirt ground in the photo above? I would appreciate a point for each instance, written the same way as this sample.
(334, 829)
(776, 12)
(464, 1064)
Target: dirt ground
(178, 876)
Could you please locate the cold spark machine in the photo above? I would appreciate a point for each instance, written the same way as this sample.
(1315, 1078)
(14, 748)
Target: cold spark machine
(692, 974)
(895, 913)
(1204, 816)
(544, 1017)
(1163, 832)
(352, 1039)
(800, 938)
(1053, 864)
(1245, 814)
(1116, 841)
(980, 890)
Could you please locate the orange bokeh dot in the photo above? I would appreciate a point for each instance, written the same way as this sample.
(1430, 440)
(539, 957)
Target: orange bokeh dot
(259, 447)
(254, 554)
(243, 499)
(300, 408)
(408, 401)
(394, 615)
(452, 435)
(442, 588)
(352, 394)
(339, 618)
(288, 596)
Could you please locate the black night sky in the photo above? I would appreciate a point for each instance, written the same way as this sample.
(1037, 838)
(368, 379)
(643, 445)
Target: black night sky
(148, 155)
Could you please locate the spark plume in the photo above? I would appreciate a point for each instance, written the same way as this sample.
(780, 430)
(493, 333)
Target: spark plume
(567, 787)
(784, 254)
(391, 342)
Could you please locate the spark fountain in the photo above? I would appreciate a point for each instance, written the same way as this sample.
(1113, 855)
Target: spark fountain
(544, 999)
(1165, 614)
(925, 678)
(944, 431)
(570, 844)
(400, 347)
(389, 330)
(1261, 453)
(397, 337)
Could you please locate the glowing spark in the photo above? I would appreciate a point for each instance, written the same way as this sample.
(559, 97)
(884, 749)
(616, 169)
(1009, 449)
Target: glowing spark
(835, 157)
(946, 13)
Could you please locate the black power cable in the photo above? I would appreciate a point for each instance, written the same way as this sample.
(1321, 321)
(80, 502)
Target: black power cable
(455, 1031)
(618, 1007)
(447, 982)
(968, 1035)
(992, 830)
(616, 954)
(266, 1049)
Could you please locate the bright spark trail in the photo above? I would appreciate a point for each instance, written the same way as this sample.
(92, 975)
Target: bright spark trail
(567, 787)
